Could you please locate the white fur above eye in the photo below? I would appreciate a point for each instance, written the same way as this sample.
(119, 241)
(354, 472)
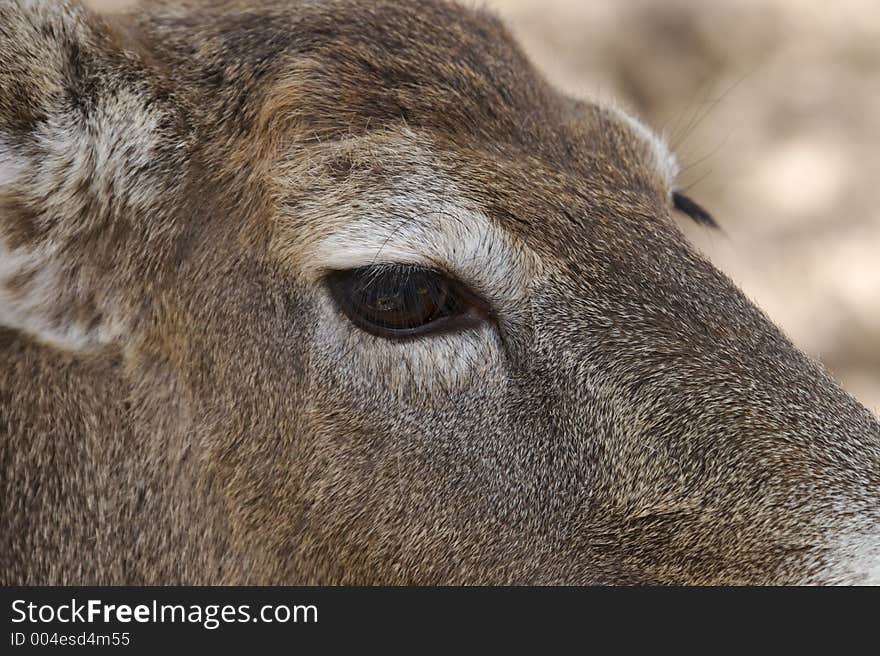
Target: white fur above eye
(463, 243)
(423, 220)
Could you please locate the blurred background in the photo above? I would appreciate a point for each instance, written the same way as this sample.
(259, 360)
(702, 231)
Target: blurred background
(773, 107)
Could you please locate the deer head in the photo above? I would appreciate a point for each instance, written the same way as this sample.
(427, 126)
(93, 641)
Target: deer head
(335, 292)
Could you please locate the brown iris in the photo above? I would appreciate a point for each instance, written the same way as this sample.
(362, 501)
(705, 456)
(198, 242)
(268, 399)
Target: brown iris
(400, 300)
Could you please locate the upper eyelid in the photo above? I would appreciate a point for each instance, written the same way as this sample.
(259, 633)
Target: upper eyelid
(471, 291)
(465, 245)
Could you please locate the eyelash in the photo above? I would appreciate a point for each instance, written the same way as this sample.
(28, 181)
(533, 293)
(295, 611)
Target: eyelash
(688, 207)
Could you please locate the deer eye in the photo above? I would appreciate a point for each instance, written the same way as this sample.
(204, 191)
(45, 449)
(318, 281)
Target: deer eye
(399, 301)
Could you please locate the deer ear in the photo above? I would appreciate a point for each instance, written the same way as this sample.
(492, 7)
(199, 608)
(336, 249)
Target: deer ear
(88, 143)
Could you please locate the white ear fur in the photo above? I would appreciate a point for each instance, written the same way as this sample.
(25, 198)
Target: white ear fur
(44, 298)
(26, 294)
(45, 288)
(58, 178)
(12, 166)
(33, 289)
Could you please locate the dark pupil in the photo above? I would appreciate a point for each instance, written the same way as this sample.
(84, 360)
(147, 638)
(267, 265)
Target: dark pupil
(400, 298)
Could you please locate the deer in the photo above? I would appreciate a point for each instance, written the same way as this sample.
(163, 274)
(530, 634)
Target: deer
(344, 292)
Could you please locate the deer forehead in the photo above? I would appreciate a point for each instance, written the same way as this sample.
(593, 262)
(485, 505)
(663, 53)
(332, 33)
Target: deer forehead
(459, 82)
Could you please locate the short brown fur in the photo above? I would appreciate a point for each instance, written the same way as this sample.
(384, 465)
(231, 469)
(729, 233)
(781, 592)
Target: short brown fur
(179, 412)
